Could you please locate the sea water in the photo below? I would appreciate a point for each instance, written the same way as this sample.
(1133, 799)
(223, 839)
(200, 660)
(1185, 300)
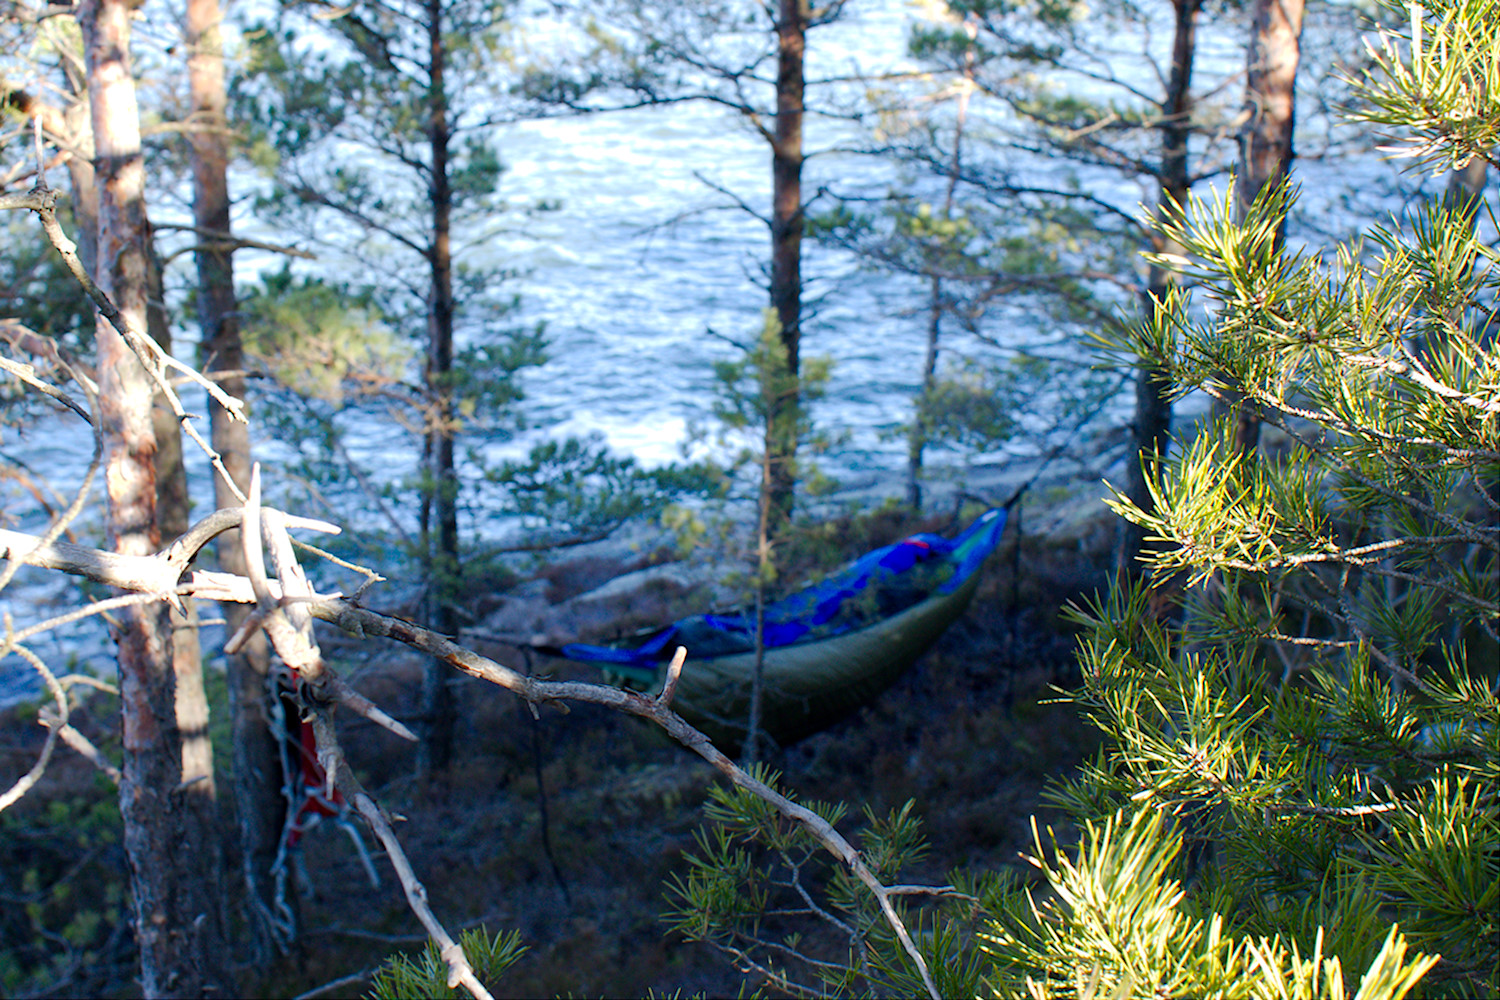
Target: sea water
(642, 274)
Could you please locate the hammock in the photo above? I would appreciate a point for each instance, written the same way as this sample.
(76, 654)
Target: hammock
(829, 648)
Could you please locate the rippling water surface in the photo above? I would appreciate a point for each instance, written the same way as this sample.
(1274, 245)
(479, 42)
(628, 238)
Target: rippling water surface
(640, 259)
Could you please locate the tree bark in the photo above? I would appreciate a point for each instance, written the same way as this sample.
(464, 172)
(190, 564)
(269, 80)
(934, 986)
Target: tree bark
(85, 188)
(259, 805)
(174, 515)
(173, 910)
(1266, 148)
(1153, 406)
(441, 482)
(1270, 90)
(786, 244)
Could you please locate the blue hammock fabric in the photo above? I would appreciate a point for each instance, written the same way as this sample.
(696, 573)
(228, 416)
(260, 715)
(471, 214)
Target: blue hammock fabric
(877, 586)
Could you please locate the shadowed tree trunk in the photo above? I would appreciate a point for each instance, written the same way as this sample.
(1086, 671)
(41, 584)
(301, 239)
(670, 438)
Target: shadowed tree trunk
(786, 246)
(81, 176)
(257, 762)
(1153, 406)
(425, 79)
(174, 515)
(173, 910)
(440, 527)
(199, 790)
(71, 129)
(668, 59)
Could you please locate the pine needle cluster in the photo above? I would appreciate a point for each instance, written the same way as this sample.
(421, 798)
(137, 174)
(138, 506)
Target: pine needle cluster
(1298, 792)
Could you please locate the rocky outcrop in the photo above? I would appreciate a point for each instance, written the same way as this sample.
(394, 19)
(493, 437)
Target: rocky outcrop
(631, 600)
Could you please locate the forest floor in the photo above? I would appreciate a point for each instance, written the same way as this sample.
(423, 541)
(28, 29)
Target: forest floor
(968, 735)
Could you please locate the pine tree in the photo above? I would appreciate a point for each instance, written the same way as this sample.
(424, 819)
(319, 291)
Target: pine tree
(1324, 729)
(749, 58)
(412, 86)
(257, 768)
(1266, 138)
(1077, 109)
(176, 912)
(1299, 793)
(760, 398)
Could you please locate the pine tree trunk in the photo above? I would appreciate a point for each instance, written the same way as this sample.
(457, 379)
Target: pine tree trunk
(259, 805)
(438, 707)
(1265, 142)
(1153, 406)
(1270, 90)
(173, 909)
(85, 186)
(174, 515)
(786, 244)
(750, 752)
(916, 438)
(200, 797)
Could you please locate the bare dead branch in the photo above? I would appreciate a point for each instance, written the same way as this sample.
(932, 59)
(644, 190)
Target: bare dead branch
(80, 743)
(88, 680)
(156, 362)
(340, 983)
(27, 374)
(296, 646)
(289, 627)
(362, 622)
(142, 574)
(1470, 532)
(1417, 374)
(734, 199)
(15, 560)
(186, 547)
(17, 201)
(39, 345)
(43, 201)
(325, 684)
(929, 890)
(371, 493)
(1349, 812)
(102, 607)
(746, 963)
(460, 972)
(156, 574)
(222, 241)
(25, 783)
(365, 623)
(674, 674)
